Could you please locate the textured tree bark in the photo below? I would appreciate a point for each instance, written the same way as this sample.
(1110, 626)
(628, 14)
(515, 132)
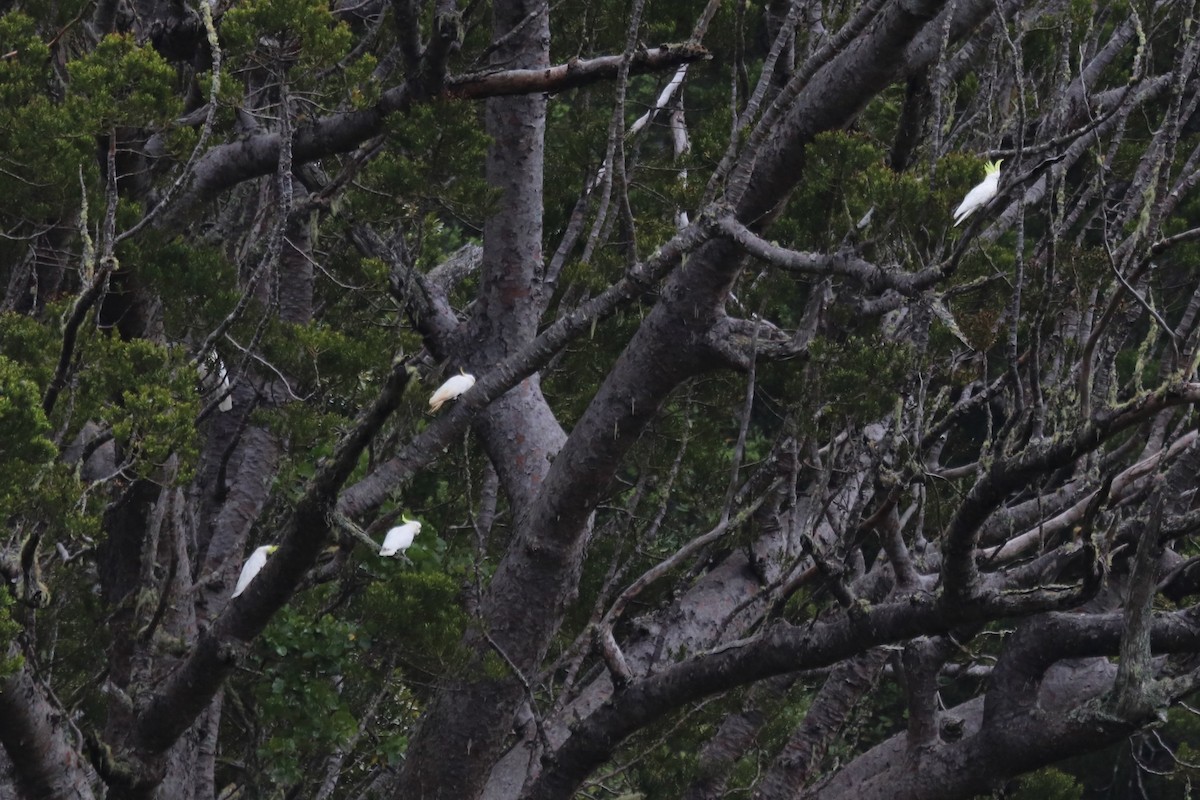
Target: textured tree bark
(848, 682)
(8, 776)
(734, 738)
(46, 764)
(188, 774)
(466, 725)
(1046, 702)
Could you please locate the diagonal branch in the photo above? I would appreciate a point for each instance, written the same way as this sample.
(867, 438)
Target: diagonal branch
(169, 712)
(33, 731)
(571, 75)
(368, 493)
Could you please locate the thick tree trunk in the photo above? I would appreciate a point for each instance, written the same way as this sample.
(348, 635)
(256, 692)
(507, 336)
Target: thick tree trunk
(465, 727)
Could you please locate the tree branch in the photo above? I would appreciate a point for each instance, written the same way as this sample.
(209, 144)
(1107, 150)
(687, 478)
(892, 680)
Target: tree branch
(171, 710)
(34, 732)
(960, 572)
(368, 493)
(571, 75)
(869, 276)
(782, 648)
(228, 164)
(1131, 688)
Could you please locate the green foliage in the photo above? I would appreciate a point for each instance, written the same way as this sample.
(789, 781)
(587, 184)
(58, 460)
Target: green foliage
(43, 143)
(9, 630)
(845, 177)
(25, 447)
(299, 698)
(121, 83)
(31, 344)
(23, 75)
(303, 32)
(195, 281)
(61, 507)
(783, 717)
(148, 394)
(325, 358)
(832, 197)
(670, 755)
(672, 762)
(1047, 784)
(854, 379)
(34, 483)
(433, 164)
(418, 614)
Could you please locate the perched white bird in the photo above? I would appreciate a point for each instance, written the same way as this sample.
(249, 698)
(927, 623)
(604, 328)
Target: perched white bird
(219, 381)
(253, 565)
(978, 197)
(400, 538)
(450, 390)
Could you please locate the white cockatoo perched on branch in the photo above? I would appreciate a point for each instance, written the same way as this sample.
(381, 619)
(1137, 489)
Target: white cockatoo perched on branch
(400, 538)
(213, 375)
(253, 565)
(978, 197)
(450, 390)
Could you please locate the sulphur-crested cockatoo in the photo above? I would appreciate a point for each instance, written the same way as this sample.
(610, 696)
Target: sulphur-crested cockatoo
(400, 538)
(214, 376)
(450, 390)
(978, 197)
(253, 565)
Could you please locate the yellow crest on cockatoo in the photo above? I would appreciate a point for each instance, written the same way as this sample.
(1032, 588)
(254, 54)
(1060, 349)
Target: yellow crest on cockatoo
(400, 538)
(981, 193)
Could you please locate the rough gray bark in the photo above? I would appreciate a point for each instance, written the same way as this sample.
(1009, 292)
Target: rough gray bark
(795, 766)
(464, 727)
(46, 757)
(1037, 729)
(733, 739)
